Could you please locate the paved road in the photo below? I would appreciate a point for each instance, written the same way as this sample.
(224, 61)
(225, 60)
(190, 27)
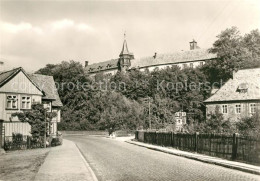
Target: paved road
(116, 160)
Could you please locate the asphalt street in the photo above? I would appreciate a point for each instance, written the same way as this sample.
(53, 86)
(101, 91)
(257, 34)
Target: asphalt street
(113, 160)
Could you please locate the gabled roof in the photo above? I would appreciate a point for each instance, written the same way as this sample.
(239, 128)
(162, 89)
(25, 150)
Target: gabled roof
(47, 85)
(8, 75)
(110, 64)
(247, 79)
(173, 58)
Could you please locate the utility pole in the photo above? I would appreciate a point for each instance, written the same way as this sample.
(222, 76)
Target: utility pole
(45, 117)
(150, 124)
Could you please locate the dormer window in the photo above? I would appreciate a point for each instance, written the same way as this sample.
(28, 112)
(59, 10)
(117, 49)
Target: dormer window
(108, 65)
(242, 88)
(99, 67)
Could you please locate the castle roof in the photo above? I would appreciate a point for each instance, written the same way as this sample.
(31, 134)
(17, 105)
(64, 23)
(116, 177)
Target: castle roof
(173, 58)
(245, 85)
(160, 59)
(109, 64)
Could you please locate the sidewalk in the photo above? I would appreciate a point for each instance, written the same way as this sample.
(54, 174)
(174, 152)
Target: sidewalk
(65, 162)
(208, 159)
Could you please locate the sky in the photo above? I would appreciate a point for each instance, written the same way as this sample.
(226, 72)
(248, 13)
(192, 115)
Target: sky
(40, 32)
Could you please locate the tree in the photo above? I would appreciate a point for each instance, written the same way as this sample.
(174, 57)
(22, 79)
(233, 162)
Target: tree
(120, 112)
(233, 52)
(250, 125)
(215, 123)
(36, 118)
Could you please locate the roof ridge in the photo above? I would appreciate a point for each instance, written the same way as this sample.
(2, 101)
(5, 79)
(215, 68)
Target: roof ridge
(175, 52)
(11, 70)
(41, 75)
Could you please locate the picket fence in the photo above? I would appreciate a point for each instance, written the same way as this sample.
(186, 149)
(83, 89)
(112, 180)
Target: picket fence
(232, 147)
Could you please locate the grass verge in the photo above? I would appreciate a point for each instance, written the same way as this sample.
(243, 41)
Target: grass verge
(22, 164)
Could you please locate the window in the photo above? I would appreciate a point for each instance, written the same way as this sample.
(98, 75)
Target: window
(224, 109)
(185, 65)
(238, 108)
(47, 106)
(191, 65)
(11, 102)
(26, 102)
(201, 63)
(252, 108)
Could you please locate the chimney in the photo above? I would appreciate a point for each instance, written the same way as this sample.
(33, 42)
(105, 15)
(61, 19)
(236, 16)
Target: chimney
(193, 45)
(155, 54)
(1, 66)
(234, 74)
(86, 63)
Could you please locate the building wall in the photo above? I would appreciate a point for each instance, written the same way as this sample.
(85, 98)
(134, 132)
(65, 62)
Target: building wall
(5, 114)
(17, 127)
(57, 118)
(20, 84)
(231, 109)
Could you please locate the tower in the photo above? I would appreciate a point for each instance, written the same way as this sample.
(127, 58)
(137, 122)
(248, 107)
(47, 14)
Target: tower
(125, 57)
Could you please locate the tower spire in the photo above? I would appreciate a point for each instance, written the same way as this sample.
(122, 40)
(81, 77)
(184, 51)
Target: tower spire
(125, 56)
(125, 48)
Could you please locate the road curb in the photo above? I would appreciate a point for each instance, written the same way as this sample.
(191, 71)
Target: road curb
(198, 158)
(87, 165)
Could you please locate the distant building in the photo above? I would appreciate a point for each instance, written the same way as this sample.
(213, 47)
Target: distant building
(239, 97)
(126, 61)
(18, 91)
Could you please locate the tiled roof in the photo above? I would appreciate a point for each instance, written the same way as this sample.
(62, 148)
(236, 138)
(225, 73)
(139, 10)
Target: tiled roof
(172, 58)
(248, 79)
(47, 85)
(161, 59)
(4, 76)
(110, 64)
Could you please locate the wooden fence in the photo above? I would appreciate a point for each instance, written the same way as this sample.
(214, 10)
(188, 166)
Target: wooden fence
(233, 147)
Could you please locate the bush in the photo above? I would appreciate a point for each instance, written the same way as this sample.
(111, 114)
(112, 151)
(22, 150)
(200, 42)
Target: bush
(17, 138)
(56, 141)
(249, 126)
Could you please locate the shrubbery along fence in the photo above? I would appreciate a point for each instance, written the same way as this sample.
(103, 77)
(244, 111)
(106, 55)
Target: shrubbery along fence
(233, 147)
(20, 142)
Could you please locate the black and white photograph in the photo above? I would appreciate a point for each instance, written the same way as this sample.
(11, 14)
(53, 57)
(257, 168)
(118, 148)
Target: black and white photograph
(129, 90)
